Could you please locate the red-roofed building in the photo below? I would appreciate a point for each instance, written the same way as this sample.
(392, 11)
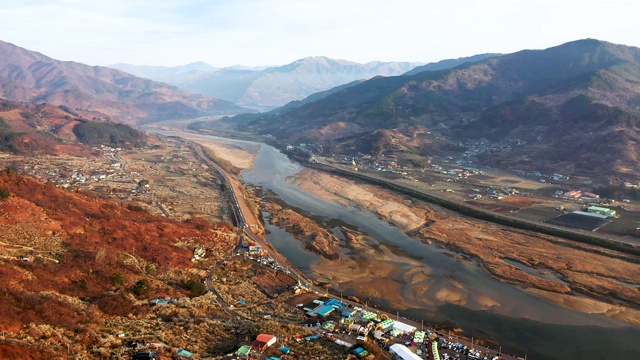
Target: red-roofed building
(263, 341)
(254, 248)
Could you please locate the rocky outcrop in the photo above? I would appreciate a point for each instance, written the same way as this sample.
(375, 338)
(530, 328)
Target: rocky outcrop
(315, 238)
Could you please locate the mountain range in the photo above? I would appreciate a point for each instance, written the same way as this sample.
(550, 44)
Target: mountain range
(33, 77)
(171, 75)
(272, 86)
(575, 106)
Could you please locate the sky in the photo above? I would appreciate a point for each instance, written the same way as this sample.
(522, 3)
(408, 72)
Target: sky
(276, 32)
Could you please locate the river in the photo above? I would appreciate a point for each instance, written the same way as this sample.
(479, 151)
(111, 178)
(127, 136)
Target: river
(523, 323)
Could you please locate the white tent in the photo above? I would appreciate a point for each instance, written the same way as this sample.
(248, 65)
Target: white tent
(406, 328)
(343, 343)
(403, 352)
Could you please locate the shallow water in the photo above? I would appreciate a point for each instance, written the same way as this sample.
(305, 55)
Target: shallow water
(523, 323)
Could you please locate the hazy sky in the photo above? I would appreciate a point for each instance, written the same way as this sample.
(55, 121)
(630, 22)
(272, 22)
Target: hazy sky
(275, 32)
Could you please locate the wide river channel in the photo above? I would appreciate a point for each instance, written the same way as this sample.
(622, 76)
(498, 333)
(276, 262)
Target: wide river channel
(524, 324)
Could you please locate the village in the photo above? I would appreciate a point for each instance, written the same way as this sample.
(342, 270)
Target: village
(258, 289)
(164, 179)
(553, 198)
(347, 327)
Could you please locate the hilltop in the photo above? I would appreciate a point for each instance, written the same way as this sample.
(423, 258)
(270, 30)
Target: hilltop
(29, 129)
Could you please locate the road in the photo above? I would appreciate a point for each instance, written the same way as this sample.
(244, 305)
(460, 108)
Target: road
(512, 218)
(209, 283)
(246, 222)
(239, 209)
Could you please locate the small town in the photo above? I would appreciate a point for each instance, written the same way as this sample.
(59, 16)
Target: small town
(322, 180)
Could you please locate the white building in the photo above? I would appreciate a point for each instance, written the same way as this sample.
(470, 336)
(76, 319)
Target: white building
(402, 352)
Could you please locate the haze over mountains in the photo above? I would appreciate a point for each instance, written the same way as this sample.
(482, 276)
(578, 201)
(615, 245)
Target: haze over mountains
(554, 104)
(270, 87)
(575, 106)
(170, 75)
(33, 77)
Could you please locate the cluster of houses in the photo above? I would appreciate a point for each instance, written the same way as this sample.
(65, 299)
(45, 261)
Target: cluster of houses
(340, 322)
(199, 253)
(258, 346)
(476, 147)
(576, 194)
(66, 177)
(360, 323)
(554, 176)
(346, 325)
(460, 173)
(161, 301)
(74, 172)
(492, 193)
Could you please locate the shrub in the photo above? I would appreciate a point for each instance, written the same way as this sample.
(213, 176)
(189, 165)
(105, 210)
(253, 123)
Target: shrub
(117, 278)
(4, 193)
(27, 115)
(141, 287)
(196, 287)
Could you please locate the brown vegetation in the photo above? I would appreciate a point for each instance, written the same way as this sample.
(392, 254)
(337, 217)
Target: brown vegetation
(33, 77)
(83, 258)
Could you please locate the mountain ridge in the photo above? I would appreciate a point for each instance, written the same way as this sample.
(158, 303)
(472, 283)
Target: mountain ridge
(530, 95)
(166, 73)
(33, 77)
(274, 86)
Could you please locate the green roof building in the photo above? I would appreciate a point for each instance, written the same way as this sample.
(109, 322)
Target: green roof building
(601, 211)
(244, 350)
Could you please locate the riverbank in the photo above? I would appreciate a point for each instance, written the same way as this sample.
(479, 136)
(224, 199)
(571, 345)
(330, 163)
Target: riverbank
(579, 276)
(239, 155)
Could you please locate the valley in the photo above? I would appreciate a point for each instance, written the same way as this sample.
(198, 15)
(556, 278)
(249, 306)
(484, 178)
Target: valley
(560, 276)
(532, 110)
(492, 201)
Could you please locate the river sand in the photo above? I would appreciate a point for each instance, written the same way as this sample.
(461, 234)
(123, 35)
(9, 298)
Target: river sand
(586, 275)
(239, 155)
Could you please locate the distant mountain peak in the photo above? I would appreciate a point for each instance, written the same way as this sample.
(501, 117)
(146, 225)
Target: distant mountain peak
(278, 85)
(314, 60)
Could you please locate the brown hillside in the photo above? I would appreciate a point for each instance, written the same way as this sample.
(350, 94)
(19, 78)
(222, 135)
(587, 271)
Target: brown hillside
(29, 129)
(44, 129)
(33, 77)
(72, 259)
